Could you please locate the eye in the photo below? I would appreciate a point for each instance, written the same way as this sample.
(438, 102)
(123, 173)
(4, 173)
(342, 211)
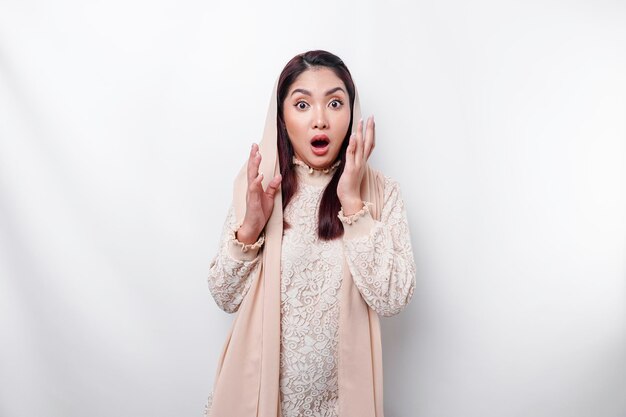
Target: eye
(301, 102)
(336, 101)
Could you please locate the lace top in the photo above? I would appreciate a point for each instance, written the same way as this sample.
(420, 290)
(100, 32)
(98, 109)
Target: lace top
(380, 259)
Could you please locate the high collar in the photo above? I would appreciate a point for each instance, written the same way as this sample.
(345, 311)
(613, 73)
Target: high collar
(314, 176)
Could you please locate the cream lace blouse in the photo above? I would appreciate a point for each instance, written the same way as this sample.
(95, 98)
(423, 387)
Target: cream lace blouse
(380, 259)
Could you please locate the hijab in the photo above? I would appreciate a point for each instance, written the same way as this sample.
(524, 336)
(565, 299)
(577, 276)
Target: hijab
(247, 378)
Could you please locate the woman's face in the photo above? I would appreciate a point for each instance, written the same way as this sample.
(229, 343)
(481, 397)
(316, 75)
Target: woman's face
(317, 103)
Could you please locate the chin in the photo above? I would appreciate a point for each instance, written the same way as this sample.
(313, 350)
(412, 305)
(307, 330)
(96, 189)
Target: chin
(323, 161)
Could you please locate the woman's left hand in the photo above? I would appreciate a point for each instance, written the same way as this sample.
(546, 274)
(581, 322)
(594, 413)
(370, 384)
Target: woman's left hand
(357, 154)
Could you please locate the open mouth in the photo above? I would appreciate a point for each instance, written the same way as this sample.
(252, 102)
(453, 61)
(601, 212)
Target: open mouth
(319, 143)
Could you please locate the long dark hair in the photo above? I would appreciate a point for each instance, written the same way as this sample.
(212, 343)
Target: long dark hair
(329, 225)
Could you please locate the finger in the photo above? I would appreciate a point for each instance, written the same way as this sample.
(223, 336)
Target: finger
(272, 187)
(350, 150)
(373, 143)
(358, 152)
(253, 167)
(257, 182)
(369, 138)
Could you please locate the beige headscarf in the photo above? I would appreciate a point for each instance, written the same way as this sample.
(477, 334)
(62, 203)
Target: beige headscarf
(247, 378)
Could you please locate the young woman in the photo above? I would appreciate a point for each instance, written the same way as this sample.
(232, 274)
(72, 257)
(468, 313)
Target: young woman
(315, 247)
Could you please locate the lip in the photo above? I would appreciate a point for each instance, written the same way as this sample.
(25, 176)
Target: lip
(320, 137)
(323, 150)
(320, 151)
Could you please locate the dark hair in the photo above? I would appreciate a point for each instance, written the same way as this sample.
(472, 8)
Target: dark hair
(329, 225)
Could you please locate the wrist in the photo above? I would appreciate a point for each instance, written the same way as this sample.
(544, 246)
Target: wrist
(351, 205)
(246, 235)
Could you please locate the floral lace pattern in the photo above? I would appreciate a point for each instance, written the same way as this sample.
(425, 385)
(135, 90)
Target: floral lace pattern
(207, 405)
(310, 282)
(229, 278)
(381, 262)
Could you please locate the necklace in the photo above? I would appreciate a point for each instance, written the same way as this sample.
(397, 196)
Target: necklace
(296, 161)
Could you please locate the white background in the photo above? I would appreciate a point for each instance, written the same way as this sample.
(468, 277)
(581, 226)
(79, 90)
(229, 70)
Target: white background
(123, 124)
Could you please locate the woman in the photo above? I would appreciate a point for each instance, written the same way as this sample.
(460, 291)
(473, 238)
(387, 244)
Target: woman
(315, 247)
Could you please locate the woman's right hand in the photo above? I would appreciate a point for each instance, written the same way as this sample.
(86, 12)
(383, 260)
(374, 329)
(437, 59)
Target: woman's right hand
(259, 203)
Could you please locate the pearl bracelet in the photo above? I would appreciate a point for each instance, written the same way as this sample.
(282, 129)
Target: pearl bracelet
(354, 217)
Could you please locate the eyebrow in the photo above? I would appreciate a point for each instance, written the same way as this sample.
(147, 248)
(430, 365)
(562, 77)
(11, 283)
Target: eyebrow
(308, 93)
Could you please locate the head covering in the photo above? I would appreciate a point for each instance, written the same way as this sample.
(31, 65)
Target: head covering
(248, 371)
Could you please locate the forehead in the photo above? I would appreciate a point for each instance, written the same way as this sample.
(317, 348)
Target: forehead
(317, 81)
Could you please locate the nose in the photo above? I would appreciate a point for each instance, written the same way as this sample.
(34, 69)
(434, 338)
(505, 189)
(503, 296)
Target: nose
(320, 120)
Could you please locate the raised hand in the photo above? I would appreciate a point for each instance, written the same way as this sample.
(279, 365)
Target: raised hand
(259, 203)
(359, 150)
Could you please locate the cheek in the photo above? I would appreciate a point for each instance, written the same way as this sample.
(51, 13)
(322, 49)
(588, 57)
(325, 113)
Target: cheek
(344, 117)
(342, 123)
(293, 124)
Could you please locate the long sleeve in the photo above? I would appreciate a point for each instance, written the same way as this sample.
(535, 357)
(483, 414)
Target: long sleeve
(379, 254)
(231, 270)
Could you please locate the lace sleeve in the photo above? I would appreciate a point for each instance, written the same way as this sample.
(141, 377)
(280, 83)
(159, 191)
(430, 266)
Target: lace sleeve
(379, 254)
(231, 270)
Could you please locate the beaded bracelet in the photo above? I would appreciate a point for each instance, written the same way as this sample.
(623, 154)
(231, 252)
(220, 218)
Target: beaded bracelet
(354, 217)
(246, 247)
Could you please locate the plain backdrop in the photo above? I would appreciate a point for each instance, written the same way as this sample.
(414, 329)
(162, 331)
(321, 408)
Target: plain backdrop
(123, 124)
